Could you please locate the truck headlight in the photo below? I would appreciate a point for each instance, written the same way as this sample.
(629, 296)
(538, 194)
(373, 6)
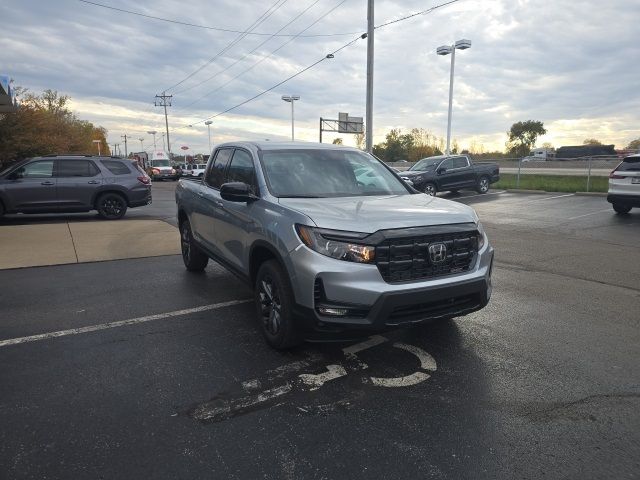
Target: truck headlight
(341, 250)
(481, 239)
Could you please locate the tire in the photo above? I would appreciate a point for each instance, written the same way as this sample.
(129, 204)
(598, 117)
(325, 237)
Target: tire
(430, 189)
(274, 306)
(483, 185)
(194, 259)
(1, 209)
(621, 208)
(111, 206)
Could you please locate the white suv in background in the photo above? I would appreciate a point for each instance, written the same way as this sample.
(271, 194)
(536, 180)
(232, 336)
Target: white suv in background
(195, 170)
(624, 185)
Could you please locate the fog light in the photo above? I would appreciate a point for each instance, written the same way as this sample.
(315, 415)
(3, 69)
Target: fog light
(335, 312)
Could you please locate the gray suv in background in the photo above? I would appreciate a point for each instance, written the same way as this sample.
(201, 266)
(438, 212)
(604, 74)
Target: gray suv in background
(332, 241)
(64, 184)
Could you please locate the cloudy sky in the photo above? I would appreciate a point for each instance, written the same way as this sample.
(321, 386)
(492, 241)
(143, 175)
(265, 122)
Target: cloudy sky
(573, 64)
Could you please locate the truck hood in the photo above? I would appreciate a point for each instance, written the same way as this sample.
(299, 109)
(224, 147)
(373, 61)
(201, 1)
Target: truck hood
(370, 214)
(415, 173)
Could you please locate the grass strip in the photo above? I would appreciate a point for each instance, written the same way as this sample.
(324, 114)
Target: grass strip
(552, 183)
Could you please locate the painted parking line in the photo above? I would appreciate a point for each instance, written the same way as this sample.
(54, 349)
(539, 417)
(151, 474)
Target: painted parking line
(479, 195)
(592, 213)
(556, 196)
(121, 323)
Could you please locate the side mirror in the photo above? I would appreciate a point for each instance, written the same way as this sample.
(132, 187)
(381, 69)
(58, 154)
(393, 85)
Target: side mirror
(441, 170)
(237, 192)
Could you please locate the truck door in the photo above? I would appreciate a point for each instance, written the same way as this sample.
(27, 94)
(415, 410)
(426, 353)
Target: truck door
(206, 209)
(235, 221)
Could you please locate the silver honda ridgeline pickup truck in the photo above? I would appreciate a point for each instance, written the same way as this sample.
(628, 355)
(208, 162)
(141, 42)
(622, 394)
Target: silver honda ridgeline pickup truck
(332, 241)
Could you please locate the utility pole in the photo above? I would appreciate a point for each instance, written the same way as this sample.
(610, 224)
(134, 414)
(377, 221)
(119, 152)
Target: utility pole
(126, 152)
(369, 112)
(141, 145)
(165, 101)
(116, 149)
(208, 124)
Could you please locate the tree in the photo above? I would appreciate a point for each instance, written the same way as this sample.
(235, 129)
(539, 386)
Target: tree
(44, 125)
(523, 136)
(360, 141)
(547, 145)
(337, 141)
(634, 144)
(591, 141)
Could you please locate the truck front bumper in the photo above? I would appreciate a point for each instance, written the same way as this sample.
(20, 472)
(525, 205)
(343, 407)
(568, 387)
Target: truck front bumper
(361, 300)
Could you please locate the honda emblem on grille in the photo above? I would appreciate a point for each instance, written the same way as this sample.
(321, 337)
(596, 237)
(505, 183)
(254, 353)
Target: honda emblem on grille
(437, 252)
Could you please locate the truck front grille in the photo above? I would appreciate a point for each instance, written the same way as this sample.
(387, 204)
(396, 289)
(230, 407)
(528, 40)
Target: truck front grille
(406, 259)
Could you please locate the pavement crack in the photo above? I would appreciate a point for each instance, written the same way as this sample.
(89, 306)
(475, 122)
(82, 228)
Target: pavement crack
(73, 243)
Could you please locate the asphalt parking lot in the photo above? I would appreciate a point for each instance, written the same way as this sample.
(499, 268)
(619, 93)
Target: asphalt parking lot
(138, 369)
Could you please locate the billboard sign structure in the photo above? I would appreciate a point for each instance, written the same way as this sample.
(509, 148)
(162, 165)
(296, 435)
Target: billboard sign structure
(344, 124)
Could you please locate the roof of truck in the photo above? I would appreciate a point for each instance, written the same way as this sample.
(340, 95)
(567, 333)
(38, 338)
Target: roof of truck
(268, 145)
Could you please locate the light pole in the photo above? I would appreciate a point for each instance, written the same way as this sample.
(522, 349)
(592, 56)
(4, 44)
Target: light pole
(446, 50)
(141, 145)
(208, 124)
(153, 132)
(291, 99)
(163, 140)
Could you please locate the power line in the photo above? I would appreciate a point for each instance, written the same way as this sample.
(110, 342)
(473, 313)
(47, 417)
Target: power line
(249, 53)
(328, 56)
(265, 57)
(270, 11)
(219, 29)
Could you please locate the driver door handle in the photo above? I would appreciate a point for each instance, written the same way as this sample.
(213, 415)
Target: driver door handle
(93, 182)
(46, 183)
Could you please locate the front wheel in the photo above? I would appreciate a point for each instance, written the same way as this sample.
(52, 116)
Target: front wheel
(430, 189)
(274, 306)
(111, 206)
(621, 209)
(483, 185)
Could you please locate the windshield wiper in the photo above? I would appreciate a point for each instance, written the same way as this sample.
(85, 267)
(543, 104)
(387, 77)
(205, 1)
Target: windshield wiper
(301, 196)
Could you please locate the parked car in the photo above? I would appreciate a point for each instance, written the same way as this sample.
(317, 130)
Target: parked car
(63, 183)
(451, 173)
(624, 185)
(332, 241)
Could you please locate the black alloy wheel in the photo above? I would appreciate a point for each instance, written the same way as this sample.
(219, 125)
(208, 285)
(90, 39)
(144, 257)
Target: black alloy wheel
(274, 304)
(194, 259)
(111, 206)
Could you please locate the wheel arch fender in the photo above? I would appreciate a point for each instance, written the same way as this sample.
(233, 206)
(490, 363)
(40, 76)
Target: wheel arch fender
(110, 189)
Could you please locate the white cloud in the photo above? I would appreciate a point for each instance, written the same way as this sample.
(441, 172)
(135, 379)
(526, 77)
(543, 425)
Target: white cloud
(570, 63)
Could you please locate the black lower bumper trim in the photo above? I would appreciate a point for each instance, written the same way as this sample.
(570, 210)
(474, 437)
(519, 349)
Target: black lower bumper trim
(630, 200)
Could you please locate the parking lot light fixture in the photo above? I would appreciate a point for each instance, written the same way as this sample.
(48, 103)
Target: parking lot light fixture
(291, 99)
(153, 132)
(208, 124)
(443, 50)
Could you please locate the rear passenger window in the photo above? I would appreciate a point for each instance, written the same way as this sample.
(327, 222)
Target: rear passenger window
(241, 168)
(460, 162)
(76, 168)
(116, 167)
(215, 175)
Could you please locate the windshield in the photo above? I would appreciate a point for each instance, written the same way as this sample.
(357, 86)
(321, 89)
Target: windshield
(426, 163)
(159, 163)
(307, 173)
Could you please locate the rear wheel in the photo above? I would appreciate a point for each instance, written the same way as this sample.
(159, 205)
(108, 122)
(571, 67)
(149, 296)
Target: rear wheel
(194, 259)
(111, 206)
(620, 208)
(430, 189)
(274, 306)
(483, 185)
